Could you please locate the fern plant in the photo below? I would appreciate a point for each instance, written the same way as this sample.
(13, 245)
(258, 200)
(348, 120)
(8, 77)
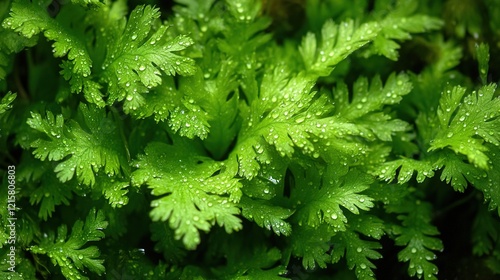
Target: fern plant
(209, 140)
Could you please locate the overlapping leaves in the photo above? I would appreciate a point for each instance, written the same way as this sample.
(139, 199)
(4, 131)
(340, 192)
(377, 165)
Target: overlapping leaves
(194, 191)
(68, 251)
(134, 62)
(83, 146)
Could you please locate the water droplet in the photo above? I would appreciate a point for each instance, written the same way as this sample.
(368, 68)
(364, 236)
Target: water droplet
(142, 68)
(299, 120)
(334, 216)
